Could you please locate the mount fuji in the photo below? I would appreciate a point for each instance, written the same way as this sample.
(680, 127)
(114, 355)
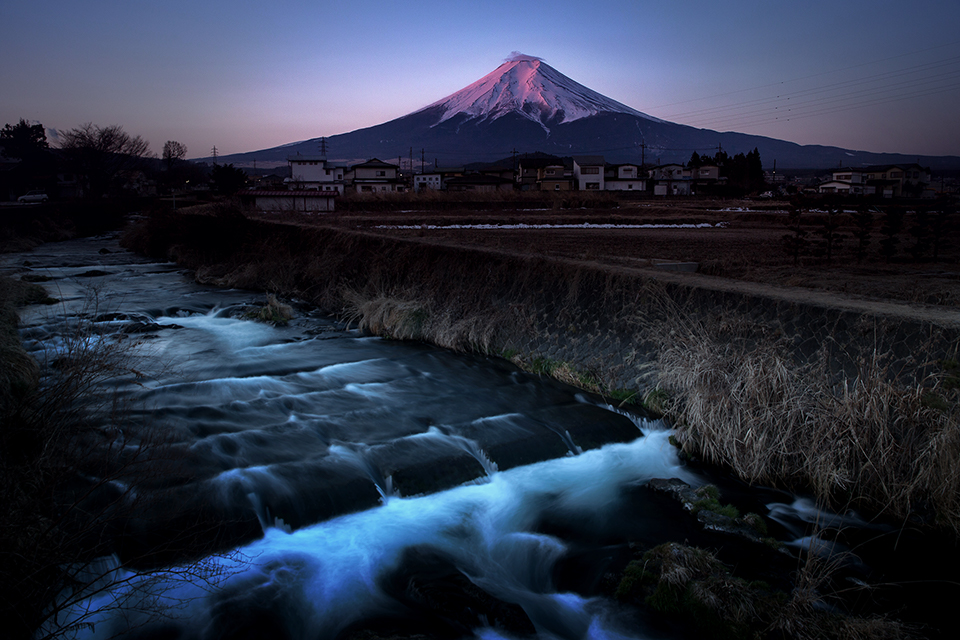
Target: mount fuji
(525, 105)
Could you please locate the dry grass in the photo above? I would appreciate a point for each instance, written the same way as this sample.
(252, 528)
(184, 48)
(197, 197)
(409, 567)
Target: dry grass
(411, 316)
(740, 396)
(879, 439)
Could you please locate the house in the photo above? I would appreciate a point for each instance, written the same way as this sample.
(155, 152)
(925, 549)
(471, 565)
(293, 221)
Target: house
(588, 172)
(432, 181)
(374, 176)
(315, 172)
(896, 180)
(671, 180)
(554, 177)
(705, 179)
(530, 170)
(842, 187)
(887, 181)
(290, 200)
(624, 177)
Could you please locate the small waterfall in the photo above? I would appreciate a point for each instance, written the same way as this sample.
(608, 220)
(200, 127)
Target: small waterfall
(574, 448)
(263, 515)
(641, 423)
(356, 454)
(443, 435)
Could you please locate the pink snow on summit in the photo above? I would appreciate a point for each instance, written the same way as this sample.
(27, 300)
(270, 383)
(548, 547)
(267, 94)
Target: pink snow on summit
(529, 86)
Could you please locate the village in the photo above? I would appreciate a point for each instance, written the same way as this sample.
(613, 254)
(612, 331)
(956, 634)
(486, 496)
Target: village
(314, 182)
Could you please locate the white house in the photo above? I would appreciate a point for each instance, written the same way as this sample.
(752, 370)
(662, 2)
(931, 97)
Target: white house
(624, 177)
(588, 172)
(374, 176)
(427, 181)
(315, 172)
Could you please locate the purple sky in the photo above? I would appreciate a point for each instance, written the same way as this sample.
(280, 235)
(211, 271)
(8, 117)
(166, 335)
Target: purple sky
(872, 75)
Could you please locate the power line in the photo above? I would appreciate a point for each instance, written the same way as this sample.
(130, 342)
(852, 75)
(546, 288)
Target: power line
(827, 88)
(905, 83)
(815, 75)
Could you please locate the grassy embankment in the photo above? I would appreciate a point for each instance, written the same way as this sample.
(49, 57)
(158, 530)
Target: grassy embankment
(863, 420)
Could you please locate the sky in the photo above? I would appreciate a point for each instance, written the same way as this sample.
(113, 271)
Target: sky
(875, 75)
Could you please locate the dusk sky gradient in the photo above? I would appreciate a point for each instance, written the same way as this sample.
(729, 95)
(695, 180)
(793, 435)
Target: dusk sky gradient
(874, 75)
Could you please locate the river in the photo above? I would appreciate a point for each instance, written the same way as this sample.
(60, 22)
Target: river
(345, 483)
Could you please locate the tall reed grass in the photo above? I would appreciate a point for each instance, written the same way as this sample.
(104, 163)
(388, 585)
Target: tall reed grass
(880, 439)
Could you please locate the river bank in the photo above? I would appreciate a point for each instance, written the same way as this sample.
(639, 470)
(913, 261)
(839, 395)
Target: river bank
(851, 399)
(235, 401)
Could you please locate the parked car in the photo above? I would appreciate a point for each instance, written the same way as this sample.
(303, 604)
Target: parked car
(33, 196)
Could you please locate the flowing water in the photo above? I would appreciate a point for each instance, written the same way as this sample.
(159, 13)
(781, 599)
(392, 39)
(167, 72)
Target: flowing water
(342, 482)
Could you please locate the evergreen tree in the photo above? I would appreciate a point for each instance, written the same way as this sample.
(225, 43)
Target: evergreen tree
(754, 171)
(227, 179)
(23, 141)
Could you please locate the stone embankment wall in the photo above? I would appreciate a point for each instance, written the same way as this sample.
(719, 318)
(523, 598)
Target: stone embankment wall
(604, 322)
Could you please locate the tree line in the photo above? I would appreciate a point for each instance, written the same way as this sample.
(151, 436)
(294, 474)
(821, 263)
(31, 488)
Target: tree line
(104, 160)
(741, 171)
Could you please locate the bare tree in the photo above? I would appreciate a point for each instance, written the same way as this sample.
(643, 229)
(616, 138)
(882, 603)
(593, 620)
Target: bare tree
(173, 152)
(102, 154)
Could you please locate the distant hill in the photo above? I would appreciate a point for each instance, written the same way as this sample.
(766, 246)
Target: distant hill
(525, 105)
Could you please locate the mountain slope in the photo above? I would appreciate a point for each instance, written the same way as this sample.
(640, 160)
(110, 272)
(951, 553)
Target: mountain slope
(527, 86)
(525, 105)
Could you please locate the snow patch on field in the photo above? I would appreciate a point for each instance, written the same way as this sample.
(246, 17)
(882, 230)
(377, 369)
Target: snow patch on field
(582, 225)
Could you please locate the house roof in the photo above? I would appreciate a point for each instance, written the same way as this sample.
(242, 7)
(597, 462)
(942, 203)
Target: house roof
(374, 163)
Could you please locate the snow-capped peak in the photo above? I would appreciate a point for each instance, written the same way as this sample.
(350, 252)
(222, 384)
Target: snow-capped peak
(529, 86)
